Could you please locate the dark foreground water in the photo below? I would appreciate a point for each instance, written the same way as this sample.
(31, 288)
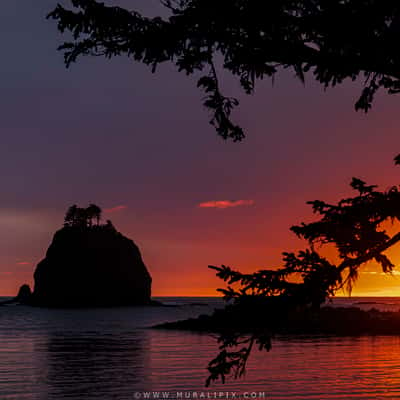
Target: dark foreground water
(109, 354)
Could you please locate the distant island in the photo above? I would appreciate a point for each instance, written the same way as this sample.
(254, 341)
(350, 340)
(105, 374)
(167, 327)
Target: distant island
(89, 264)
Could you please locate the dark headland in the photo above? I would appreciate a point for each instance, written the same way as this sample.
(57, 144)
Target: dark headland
(274, 318)
(89, 264)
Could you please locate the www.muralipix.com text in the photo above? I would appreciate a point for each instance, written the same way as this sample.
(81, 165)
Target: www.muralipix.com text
(199, 395)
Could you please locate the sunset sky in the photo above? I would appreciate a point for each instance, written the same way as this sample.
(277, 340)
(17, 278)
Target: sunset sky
(139, 145)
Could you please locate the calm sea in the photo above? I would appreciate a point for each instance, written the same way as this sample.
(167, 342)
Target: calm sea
(110, 354)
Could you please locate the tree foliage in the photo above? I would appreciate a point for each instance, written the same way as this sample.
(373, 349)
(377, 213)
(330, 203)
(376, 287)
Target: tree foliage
(329, 40)
(357, 227)
(82, 217)
(333, 40)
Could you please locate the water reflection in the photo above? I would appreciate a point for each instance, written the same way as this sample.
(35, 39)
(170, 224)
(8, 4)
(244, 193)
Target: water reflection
(105, 354)
(93, 365)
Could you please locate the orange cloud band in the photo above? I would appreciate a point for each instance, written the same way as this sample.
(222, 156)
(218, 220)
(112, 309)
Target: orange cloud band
(115, 209)
(226, 203)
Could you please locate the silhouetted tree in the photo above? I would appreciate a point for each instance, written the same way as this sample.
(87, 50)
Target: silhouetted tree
(356, 227)
(94, 211)
(82, 217)
(333, 40)
(70, 216)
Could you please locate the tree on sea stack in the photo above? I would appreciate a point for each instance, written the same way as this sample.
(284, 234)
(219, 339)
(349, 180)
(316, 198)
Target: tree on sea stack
(91, 264)
(82, 217)
(94, 212)
(356, 227)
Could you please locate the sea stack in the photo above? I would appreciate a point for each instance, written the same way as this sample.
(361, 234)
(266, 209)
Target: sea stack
(91, 264)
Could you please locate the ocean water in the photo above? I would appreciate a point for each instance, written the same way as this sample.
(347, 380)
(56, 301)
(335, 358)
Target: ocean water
(111, 354)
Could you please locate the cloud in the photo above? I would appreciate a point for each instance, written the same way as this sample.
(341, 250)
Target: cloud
(23, 263)
(226, 203)
(115, 209)
(21, 222)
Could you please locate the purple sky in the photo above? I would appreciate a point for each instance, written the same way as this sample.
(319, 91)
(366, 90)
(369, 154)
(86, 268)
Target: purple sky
(112, 133)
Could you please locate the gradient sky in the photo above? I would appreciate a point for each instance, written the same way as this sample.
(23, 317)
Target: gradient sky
(140, 146)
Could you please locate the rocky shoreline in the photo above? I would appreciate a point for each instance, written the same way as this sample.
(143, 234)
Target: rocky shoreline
(328, 320)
